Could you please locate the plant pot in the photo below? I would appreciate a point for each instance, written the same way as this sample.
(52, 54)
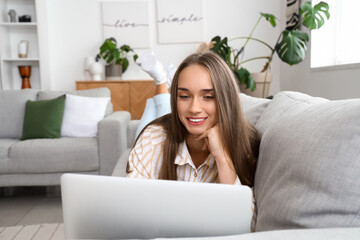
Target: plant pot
(113, 72)
(261, 82)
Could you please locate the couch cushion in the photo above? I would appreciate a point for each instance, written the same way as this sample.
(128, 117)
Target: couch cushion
(96, 92)
(5, 144)
(309, 164)
(253, 107)
(43, 118)
(52, 155)
(12, 109)
(82, 115)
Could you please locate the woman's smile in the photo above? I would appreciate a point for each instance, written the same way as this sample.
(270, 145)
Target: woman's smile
(196, 120)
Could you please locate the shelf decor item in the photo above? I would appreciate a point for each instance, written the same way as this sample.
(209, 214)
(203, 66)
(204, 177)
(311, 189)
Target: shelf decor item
(25, 72)
(115, 58)
(87, 65)
(96, 70)
(12, 15)
(25, 18)
(290, 45)
(23, 48)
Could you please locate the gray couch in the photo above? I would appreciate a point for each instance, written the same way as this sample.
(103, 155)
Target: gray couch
(307, 183)
(41, 162)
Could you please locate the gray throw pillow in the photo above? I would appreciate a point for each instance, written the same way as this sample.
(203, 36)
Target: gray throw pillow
(253, 107)
(308, 172)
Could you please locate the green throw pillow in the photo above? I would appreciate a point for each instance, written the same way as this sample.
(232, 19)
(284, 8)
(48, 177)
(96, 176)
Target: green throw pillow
(43, 118)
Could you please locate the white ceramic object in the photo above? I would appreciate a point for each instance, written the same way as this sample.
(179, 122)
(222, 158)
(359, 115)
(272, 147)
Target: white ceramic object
(88, 62)
(23, 48)
(96, 70)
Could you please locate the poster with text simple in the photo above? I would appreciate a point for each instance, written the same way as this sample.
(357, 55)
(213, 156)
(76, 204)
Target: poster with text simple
(180, 21)
(127, 22)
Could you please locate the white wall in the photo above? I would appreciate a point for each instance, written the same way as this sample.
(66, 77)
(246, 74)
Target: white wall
(75, 32)
(328, 83)
(335, 83)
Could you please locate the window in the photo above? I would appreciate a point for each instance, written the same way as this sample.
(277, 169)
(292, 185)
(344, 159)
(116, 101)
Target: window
(338, 41)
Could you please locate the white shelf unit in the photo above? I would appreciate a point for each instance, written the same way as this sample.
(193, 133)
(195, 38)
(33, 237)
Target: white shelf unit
(11, 33)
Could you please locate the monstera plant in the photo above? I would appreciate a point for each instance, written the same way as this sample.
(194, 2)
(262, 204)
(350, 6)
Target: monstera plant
(290, 45)
(115, 57)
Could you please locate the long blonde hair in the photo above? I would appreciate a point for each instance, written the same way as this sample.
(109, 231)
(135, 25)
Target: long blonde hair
(239, 137)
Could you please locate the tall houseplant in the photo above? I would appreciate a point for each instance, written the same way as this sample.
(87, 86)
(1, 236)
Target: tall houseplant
(290, 45)
(115, 57)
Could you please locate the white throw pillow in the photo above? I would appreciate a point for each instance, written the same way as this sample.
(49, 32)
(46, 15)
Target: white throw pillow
(82, 114)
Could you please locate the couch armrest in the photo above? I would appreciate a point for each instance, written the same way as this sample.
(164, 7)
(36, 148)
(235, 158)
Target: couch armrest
(112, 140)
(120, 168)
(131, 131)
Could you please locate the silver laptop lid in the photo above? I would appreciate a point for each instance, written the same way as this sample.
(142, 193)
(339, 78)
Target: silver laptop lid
(104, 207)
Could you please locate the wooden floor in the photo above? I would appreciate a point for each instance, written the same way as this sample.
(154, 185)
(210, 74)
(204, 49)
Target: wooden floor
(50, 231)
(31, 213)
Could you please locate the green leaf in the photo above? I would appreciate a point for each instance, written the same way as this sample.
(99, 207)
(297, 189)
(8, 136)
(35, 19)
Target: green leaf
(292, 46)
(244, 77)
(270, 18)
(116, 54)
(110, 58)
(216, 39)
(125, 64)
(313, 17)
(125, 48)
(112, 40)
(110, 43)
(252, 83)
(135, 57)
(222, 49)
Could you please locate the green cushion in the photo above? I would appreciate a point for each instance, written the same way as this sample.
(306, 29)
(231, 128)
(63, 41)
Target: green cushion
(43, 118)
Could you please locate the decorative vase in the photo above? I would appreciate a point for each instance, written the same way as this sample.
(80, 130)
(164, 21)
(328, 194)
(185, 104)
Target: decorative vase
(23, 48)
(87, 65)
(262, 85)
(113, 72)
(25, 72)
(96, 70)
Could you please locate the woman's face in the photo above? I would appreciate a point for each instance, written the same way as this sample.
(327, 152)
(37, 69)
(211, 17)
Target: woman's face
(196, 104)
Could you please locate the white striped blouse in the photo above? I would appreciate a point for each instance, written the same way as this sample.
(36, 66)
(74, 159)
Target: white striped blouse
(146, 158)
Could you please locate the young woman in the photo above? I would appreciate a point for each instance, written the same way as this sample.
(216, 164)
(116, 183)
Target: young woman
(206, 137)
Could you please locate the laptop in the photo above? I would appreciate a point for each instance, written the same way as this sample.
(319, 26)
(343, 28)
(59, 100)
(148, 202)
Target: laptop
(105, 207)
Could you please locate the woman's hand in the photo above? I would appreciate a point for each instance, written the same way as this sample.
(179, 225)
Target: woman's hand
(213, 143)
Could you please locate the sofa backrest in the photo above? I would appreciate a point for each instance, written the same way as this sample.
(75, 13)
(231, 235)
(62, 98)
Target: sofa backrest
(253, 107)
(12, 111)
(308, 171)
(96, 92)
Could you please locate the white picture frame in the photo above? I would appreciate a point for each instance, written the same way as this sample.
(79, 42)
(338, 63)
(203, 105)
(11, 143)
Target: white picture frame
(120, 22)
(180, 21)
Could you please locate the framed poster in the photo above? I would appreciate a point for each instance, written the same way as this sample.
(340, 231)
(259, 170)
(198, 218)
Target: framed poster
(127, 22)
(180, 21)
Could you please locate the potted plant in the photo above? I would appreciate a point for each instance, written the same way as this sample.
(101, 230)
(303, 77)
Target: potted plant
(115, 57)
(290, 45)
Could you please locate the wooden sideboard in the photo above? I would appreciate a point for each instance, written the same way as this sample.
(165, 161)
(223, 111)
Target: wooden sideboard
(127, 95)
